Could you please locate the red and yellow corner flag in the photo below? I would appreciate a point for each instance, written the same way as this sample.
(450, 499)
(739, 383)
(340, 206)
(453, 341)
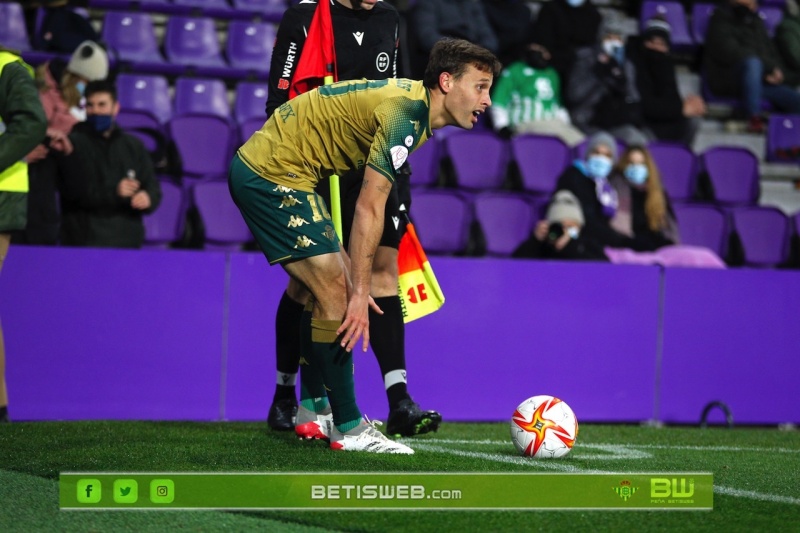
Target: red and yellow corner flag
(420, 293)
(317, 63)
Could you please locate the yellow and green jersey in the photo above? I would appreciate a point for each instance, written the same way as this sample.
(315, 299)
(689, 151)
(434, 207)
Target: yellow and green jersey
(340, 127)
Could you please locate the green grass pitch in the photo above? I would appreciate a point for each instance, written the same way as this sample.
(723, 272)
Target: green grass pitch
(756, 475)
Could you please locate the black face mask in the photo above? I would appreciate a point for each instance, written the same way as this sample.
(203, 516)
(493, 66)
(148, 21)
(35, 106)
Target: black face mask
(536, 59)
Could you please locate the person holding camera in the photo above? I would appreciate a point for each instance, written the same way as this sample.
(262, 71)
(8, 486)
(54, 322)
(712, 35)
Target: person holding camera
(559, 235)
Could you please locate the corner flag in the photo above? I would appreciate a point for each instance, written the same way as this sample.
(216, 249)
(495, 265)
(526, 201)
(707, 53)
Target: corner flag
(317, 63)
(419, 290)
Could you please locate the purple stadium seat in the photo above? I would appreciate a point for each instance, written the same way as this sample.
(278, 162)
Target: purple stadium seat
(479, 159)
(733, 171)
(145, 93)
(701, 14)
(261, 6)
(192, 42)
(541, 159)
(204, 142)
(772, 16)
(424, 163)
(672, 11)
(703, 225)
(506, 219)
(251, 101)
(783, 138)
(765, 234)
(678, 167)
(201, 96)
(249, 45)
(225, 229)
(217, 5)
(13, 31)
(442, 219)
(249, 127)
(165, 225)
(132, 37)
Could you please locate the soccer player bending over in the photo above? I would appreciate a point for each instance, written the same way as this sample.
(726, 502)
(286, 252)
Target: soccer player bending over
(330, 130)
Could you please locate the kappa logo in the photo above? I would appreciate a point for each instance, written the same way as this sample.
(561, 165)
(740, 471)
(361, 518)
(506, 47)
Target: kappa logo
(416, 125)
(295, 221)
(282, 188)
(303, 242)
(396, 221)
(359, 35)
(289, 201)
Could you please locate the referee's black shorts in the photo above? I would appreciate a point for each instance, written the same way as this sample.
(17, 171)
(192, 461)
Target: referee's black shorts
(397, 205)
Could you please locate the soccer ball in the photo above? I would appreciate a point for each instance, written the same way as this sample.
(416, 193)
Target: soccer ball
(544, 427)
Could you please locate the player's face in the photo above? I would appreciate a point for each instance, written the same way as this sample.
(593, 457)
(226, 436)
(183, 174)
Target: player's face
(468, 97)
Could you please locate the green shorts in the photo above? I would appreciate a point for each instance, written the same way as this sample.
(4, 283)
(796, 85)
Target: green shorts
(288, 224)
(13, 211)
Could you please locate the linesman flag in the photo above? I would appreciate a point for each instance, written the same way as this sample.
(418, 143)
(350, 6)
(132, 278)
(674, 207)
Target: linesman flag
(420, 293)
(317, 63)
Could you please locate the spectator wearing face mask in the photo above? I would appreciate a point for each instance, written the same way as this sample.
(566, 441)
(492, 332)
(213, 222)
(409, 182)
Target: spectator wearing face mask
(644, 212)
(108, 179)
(665, 113)
(740, 60)
(602, 92)
(563, 27)
(588, 180)
(61, 86)
(559, 235)
(527, 99)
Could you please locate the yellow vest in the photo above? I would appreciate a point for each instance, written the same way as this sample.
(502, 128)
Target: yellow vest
(15, 177)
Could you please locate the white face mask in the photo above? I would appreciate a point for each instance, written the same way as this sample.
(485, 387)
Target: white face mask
(611, 46)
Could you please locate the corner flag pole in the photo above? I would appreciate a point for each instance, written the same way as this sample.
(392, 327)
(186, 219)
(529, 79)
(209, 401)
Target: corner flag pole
(336, 200)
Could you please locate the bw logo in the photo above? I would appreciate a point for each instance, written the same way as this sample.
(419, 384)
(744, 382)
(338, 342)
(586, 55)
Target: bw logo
(296, 221)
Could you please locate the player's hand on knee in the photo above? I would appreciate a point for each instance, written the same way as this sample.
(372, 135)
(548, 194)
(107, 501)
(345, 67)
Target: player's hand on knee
(356, 323)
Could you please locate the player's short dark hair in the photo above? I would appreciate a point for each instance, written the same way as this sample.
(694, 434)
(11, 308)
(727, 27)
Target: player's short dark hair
(101, 86)
(453, 56)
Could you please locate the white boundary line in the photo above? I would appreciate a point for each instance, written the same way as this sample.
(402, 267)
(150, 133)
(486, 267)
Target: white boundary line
(432, 445)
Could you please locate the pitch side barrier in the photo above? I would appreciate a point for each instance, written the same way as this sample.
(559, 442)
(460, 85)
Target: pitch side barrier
(189, 335)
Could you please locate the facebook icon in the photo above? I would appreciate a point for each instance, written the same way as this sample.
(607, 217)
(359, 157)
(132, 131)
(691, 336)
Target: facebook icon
(89, 490)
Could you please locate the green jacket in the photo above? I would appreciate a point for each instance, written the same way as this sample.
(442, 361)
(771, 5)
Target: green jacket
(787, 41)
(21, 113)
(729, 40)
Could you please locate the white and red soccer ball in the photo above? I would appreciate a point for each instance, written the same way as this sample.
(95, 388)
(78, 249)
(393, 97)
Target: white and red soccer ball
(544, 427)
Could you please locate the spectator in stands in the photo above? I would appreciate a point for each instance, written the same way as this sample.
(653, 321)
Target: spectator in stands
(61, 87)
(666, 114)
(563, 27)
(787, 41)
(527, 99)
(644, 212)
(23, 124)
(588, 180)
(63, 29)
(741, 61)
(108, 179)
(435, 19)
(602, 92)
(559, 236)
(510, 20)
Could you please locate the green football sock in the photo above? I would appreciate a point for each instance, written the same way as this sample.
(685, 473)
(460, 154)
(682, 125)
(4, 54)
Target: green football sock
(337, 372)
(312, 387)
